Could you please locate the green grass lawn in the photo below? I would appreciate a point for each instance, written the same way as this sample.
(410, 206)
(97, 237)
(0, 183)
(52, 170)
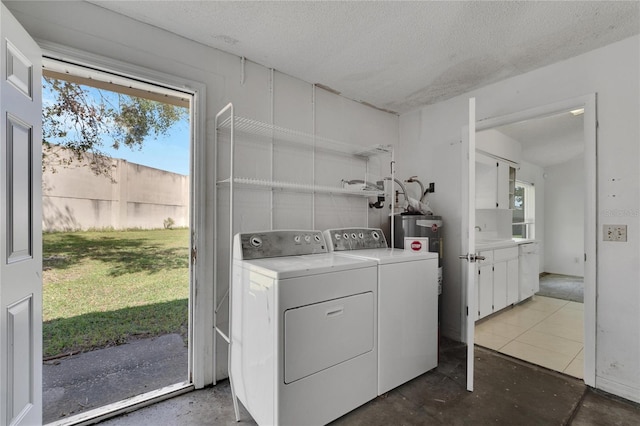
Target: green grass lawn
(104, 288)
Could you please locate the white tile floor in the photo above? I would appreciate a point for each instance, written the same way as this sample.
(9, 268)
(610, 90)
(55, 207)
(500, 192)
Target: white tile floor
(542, 330)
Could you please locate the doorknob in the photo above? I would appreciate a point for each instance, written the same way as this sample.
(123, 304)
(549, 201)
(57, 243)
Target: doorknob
(471, 257)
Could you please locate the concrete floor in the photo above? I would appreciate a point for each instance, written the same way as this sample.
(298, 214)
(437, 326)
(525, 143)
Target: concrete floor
(507, 392)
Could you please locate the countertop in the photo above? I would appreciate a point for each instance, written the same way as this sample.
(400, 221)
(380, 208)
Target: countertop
(498, 244)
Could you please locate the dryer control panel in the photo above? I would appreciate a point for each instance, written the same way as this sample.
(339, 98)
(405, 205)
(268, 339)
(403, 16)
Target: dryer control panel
(259, 245)
(355, 239)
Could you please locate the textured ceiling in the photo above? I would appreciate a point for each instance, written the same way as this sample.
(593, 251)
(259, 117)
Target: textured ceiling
(395, 55)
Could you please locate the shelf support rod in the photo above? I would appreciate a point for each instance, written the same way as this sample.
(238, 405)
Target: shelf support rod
(392, 203)
(234, 397)
(271, 161)
(313, 156)
(215, 246)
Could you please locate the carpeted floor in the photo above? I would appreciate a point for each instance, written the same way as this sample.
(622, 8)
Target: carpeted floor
(565, 287)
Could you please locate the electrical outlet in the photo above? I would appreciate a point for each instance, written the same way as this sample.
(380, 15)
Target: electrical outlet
(614, 233)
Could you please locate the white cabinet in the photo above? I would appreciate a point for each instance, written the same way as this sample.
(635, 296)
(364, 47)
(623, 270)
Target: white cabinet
(495, 183)
(497, 281)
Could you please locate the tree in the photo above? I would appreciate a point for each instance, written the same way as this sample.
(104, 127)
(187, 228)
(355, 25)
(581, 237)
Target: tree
(79, 122)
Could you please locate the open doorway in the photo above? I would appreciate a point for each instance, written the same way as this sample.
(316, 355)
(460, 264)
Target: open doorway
(116, 249)
(552, 189)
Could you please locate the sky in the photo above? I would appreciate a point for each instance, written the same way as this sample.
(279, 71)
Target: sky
(168, 152)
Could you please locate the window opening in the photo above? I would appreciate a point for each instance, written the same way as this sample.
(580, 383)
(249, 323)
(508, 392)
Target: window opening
(524, 210)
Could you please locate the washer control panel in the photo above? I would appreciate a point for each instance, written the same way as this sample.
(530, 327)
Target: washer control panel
(258, 245)
(355, 239)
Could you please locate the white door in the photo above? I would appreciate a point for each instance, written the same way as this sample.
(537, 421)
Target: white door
(20, 225)
(469, 267)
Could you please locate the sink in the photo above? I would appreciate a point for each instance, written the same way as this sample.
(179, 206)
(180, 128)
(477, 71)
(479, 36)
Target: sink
(491, 243)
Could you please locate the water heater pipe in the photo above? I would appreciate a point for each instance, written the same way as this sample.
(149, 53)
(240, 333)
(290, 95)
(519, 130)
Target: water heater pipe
(422, 192)
(401, 185)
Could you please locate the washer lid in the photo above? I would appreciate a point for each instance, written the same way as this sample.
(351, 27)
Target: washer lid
(301, 266)
(389, 255)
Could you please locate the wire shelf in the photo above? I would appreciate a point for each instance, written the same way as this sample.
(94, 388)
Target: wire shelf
(300, 187)
(258, 128)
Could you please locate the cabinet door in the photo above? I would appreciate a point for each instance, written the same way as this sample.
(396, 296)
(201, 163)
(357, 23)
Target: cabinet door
(536, 282)
(499, 286)
(486, 182)
(485, 291)
(512, 188)
(503, 185)
(512, 281)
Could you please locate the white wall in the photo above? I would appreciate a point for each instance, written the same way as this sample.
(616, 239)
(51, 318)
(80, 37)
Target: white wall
(563, 212)
(494, 142)
(74, 198)
(430, 146)
(533, 173)
(262, 96)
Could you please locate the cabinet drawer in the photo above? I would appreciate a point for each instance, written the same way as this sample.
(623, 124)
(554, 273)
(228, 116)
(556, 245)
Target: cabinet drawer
(505, 254)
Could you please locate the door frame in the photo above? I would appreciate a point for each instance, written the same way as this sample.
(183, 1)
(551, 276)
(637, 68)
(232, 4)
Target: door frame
(590, 125)
(201, 242)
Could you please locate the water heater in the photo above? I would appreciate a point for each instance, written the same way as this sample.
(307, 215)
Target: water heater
(416, 225)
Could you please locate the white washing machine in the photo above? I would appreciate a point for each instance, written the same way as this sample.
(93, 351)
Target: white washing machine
(407, 303)
(303, 328)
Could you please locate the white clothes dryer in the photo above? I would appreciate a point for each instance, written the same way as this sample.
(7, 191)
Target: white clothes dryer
(407, 303)
(303, 328)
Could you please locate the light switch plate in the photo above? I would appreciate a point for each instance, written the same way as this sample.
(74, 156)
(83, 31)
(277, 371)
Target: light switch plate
(614, 233)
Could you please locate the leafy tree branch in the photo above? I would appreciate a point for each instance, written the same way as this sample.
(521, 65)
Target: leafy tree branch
(78, 124)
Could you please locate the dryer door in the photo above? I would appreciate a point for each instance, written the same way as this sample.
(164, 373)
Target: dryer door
(325, 334)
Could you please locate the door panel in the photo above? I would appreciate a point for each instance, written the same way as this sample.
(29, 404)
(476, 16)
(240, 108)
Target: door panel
(19, 70)
(20, 213)
(19, 359)
(19, 186)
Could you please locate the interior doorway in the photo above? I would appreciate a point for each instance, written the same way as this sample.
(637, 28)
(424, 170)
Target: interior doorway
(117, 248)
(555, 327)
